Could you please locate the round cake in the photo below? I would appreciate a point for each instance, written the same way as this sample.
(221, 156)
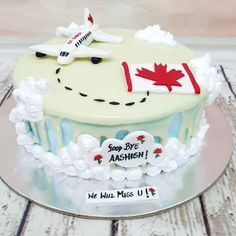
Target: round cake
(137, 111)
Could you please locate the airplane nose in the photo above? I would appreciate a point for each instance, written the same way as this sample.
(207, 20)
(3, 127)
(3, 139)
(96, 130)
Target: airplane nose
(64, 60)
(61, 60)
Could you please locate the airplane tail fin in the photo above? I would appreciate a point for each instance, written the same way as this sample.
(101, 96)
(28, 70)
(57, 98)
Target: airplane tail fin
(88, 19)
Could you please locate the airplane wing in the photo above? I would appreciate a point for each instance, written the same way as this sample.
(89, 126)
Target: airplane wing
(52, 50)
(104, 37)
(83, 51)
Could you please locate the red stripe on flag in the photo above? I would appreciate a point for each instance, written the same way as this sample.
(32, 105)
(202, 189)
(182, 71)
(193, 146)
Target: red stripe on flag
(193, 81)
(127, 76)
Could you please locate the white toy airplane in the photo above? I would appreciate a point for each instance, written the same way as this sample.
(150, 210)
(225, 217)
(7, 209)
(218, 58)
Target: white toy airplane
(77, 44)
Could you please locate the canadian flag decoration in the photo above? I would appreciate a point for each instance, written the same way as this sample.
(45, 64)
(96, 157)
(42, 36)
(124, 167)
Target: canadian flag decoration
(160, 78)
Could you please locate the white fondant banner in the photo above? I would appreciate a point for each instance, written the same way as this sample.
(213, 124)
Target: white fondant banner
(135, 149)
(166, 78)
(123, 195)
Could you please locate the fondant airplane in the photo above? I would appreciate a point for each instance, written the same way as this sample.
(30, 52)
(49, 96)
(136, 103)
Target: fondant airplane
(76, 46)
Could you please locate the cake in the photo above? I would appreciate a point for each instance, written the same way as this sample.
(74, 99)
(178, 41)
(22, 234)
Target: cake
(116, 103)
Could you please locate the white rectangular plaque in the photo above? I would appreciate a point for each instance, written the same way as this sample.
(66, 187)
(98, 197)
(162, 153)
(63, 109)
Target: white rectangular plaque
(123, 195)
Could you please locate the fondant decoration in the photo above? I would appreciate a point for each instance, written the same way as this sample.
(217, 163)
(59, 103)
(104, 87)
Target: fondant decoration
(75, 158)
(51, 136)
(121, 134)
(122, 195)
(175, 125)
(40, 54)
(134, 173)
(154, 34)
(135, 149)
(100, 99)
(66, 131)
(96, 60)
(29, 99)
(167, 78)
(76, 46)
(206, 75)
(118, 174)
(87, 143)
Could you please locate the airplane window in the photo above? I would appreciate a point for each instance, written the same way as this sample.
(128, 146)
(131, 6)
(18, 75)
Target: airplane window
(64, 54)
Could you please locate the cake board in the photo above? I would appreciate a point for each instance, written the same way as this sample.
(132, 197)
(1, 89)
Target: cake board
(27, 177)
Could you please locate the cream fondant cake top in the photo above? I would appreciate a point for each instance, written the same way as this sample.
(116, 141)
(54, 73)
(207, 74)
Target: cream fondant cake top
(97, 93)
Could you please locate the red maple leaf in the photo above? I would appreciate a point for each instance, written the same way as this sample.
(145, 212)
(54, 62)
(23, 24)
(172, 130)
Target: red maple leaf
(161, 76)
(90, 18)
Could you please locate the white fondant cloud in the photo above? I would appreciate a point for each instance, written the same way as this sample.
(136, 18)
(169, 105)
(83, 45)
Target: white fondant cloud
(29, 100)
(154, 34)
(206, 75)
